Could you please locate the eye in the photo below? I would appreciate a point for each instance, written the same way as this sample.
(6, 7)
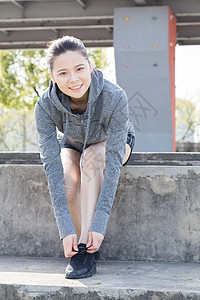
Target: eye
(63, 73)
(80, 69)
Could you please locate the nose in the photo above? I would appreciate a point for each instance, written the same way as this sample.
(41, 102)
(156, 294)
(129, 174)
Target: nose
(73, 77)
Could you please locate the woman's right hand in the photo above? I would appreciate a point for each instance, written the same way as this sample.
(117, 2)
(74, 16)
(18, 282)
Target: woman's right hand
(70, 245)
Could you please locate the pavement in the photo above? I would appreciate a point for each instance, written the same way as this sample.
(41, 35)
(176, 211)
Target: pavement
(43, 278)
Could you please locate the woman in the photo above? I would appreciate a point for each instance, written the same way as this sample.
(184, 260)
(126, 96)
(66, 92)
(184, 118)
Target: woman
(85, 137)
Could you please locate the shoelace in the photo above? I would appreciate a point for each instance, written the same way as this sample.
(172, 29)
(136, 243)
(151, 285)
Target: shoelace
(80, 256)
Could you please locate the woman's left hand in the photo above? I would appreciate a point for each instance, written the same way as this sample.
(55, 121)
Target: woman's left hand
(94, 241)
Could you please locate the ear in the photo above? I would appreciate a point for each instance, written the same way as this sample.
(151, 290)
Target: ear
(90, 65)
(52, 78)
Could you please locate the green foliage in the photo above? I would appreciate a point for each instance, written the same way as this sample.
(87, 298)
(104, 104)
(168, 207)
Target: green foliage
(98, 58)
(23, 75)
(187, 119)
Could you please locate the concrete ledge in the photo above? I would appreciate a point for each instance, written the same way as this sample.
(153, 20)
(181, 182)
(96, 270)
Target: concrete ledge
(23, 278)
(156, 214)
(31, 158)
(137, 158)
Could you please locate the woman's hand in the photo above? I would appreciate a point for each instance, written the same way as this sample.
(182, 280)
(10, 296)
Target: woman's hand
(94, 241)
(70, 245)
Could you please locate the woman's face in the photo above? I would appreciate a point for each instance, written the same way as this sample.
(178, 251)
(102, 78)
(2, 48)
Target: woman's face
(72, 73)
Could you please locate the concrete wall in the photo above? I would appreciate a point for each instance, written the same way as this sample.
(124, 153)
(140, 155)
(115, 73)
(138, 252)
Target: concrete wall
(144, 42)
(156, 214)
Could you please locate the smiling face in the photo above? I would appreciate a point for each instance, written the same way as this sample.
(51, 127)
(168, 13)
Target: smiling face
(72, 73)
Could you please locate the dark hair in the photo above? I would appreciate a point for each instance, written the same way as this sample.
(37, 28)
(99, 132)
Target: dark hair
(62, 45)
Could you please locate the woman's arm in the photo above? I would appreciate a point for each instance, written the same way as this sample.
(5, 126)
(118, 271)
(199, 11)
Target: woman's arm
(115, 150)
(50, 156)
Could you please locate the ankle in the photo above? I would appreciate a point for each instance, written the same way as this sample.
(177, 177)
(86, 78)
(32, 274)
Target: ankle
(83, 239)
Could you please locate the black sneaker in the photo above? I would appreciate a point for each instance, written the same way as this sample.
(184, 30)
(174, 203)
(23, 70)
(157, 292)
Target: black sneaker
(96, 255)
(81, 265)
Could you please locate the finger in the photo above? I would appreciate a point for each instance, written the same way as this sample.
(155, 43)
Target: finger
(91, 250)
(89, 243)
(70, 253)
(95, 243)
(100, 242)
(94, 247)
(67, 253)
(74, 245)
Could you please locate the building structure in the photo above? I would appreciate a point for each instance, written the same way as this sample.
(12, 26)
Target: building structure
(144, 34)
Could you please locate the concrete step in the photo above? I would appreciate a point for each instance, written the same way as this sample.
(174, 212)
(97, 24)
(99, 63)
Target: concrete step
(25, 278)
(155, 216)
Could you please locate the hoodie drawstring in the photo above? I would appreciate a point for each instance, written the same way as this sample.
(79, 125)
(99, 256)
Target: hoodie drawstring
(65, 132)
(86, 134)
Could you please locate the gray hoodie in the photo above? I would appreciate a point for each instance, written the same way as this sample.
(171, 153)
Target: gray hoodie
(106, 118)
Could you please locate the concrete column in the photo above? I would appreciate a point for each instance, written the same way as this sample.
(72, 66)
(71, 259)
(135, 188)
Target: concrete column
(144, 42)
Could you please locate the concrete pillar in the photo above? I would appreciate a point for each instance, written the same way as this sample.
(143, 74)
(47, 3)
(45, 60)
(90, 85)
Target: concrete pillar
(144, 42)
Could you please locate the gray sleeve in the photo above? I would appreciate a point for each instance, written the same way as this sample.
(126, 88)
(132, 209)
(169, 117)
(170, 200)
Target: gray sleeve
(50, 156)
(115, 151)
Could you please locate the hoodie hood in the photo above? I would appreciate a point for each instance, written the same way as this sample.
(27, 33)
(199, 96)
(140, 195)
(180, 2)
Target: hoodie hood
(95, 89)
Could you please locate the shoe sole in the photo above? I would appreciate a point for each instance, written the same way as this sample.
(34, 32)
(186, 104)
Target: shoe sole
(89, 274)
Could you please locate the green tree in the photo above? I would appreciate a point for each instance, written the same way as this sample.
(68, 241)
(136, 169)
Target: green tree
(98, 57)
(187, 119)
(23, 75)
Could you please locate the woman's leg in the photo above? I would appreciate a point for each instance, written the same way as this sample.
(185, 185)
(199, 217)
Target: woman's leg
(127, 154)
(71, 167)
(91, 182)
(83, 187)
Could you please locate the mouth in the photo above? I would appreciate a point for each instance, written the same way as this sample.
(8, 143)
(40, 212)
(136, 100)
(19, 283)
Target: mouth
(76, 87)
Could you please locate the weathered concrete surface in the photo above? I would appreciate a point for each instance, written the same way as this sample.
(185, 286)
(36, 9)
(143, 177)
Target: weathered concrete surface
(156, 214)
(43, 278)
(137, 158)
(27, 224)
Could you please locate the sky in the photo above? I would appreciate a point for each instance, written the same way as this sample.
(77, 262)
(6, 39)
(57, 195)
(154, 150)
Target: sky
(187, 72)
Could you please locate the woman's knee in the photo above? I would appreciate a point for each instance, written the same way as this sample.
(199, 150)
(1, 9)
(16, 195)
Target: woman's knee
(94, 157)
(71, 169)
(72, 177)
(72, 180)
